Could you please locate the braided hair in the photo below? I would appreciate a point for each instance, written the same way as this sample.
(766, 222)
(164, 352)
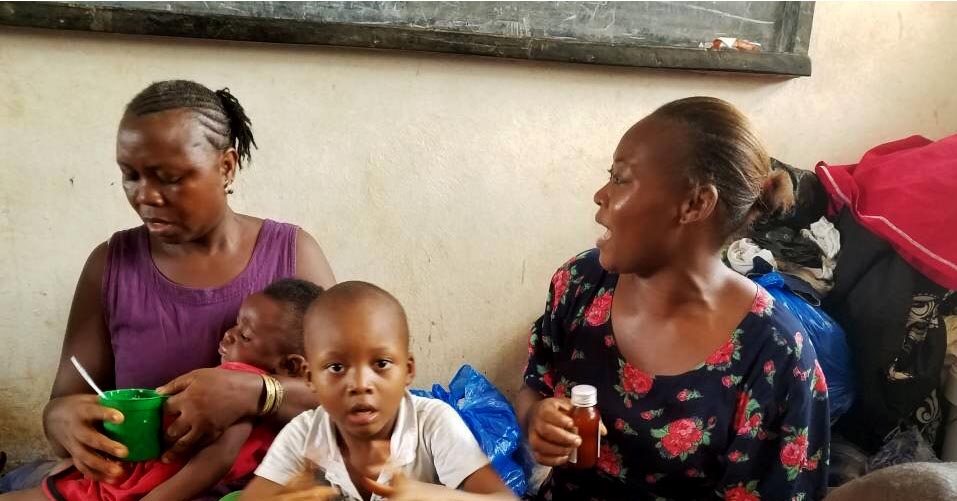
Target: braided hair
(219, 112)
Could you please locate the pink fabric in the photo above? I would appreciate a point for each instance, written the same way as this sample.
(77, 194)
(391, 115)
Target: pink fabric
(905, 192)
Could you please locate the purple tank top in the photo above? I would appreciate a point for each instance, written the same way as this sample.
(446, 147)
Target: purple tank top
(161, 330)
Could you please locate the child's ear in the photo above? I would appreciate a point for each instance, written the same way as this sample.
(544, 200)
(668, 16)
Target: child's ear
(294, 366)
(411, 370)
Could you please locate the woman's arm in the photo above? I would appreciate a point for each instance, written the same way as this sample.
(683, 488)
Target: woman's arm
(298, 399)
(311, 263)
(527, 398)
(86, 334)
(208, 401)
(70, 416)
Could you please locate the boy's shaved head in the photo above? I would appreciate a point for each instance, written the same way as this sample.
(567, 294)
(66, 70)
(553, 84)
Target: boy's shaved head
(360, 298)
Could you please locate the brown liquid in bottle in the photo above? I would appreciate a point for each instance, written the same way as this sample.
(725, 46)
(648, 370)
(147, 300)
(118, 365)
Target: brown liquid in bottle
(586, 417)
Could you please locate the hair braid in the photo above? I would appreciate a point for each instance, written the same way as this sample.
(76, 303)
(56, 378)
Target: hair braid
(220, 113)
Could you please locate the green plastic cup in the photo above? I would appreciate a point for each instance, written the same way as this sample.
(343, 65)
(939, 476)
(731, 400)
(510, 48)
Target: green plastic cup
(142, 428)
(232, 496)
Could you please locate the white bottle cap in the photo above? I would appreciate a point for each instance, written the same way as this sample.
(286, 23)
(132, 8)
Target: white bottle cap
(584, 395)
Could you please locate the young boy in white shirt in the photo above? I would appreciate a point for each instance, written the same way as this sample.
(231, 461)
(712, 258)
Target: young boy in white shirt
(368, 425)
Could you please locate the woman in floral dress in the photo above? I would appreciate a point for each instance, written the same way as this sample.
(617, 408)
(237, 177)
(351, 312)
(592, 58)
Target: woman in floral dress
(707, 388)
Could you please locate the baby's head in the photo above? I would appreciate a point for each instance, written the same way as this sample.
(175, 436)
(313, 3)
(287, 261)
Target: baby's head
(268, 330)
(357, 344)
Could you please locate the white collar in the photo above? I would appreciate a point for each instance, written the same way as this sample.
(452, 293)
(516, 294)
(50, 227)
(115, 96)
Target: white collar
(402, 448)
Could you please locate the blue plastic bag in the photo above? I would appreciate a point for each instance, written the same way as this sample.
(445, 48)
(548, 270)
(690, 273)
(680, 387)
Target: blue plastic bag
(826, 336)
(490, 417)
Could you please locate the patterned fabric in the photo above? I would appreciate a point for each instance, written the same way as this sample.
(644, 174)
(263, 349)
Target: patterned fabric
(892, 317)
(750, 422)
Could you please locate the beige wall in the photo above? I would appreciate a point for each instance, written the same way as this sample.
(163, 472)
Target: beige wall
(459, 183)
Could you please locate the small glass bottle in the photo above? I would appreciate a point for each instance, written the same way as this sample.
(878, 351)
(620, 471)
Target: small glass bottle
(586, 417)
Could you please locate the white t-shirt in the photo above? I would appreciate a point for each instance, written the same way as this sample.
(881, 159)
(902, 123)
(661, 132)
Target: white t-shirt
(430, 443)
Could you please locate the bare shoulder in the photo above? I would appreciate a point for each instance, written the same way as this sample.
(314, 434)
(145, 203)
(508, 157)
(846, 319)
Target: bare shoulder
(311, 262)
(95, 266)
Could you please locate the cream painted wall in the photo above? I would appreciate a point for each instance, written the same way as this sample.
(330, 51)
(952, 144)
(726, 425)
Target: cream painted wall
(458, 183)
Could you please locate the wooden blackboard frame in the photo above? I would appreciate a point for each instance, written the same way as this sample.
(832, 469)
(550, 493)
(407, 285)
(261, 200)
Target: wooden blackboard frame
(794, 61)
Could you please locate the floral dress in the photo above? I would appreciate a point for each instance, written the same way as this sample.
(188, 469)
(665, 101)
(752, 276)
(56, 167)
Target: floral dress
(750, 422)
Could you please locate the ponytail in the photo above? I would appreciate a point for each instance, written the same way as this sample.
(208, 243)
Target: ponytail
(240, 126)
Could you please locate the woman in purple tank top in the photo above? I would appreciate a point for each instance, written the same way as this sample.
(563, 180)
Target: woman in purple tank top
(153, 302)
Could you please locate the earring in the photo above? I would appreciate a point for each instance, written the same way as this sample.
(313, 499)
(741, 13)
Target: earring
(229, 191)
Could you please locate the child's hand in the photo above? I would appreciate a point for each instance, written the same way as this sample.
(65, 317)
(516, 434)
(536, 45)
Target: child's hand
(403, 489)
(318, 493)
(418, 491)
(303, 487)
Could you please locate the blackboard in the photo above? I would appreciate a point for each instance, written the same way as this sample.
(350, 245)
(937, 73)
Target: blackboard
(645, 34)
